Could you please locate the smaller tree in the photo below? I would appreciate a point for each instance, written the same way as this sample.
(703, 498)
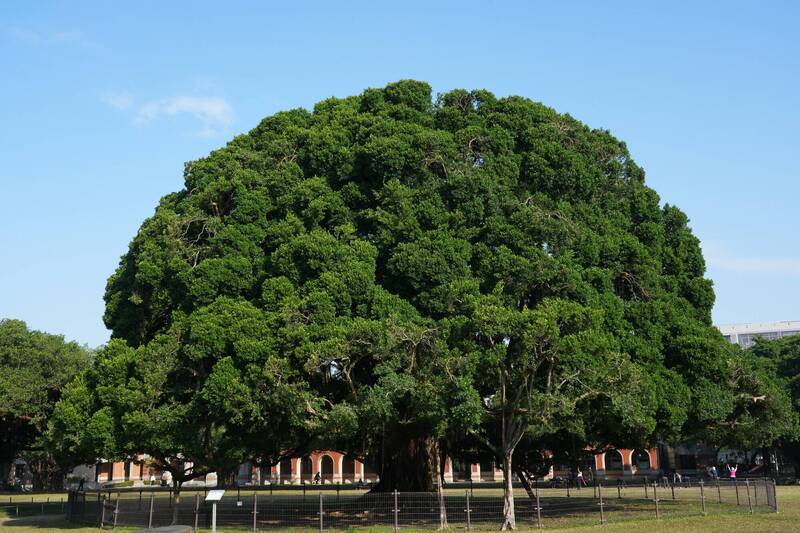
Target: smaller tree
(34, 368)
(535, 366)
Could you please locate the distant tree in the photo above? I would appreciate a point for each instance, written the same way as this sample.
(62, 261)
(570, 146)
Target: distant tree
(472, 265)
(34, 368)
(767, 410)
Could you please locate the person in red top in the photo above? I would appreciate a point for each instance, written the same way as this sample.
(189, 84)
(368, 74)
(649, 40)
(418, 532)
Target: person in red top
(732, 471)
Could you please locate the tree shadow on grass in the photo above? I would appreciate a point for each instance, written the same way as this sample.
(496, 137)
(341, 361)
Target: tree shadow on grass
(53, 522)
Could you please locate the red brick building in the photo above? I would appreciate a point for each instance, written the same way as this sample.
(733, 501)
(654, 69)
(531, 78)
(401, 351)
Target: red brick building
(335, 467)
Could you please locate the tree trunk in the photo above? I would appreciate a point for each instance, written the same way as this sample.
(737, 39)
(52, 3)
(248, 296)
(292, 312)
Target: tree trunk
(410, 465)
(176, 499)
(12, 469)
(440, 489)
(509, 519)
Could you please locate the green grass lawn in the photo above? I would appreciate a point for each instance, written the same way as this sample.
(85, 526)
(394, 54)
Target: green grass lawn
(629, 520)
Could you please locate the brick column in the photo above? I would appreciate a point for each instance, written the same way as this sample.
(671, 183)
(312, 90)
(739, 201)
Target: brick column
(627, 456)
(338, 468)
(599, 464)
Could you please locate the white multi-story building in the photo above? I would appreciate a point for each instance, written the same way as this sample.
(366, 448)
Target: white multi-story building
(745, 334)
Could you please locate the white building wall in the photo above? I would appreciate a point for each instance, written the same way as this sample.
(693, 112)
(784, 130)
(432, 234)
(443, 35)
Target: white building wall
(745, 334)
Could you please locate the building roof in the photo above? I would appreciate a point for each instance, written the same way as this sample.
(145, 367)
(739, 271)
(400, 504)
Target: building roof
(786, 325)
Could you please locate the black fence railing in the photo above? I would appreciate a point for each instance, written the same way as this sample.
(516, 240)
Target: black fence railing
(480, 508)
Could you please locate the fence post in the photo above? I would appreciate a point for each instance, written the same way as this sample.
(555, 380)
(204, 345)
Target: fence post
(138, 507)
(102, 510)
(150, 513)
(196, 511)
(646, 495)
(469, 524)
(602, 513)
(255, 509)
(320, 513)
(539, 509)
(702, 497)
(719, 492)
(619, 491)
(755, 492)
(116, 510)
(672, 486)
(736, 486)
(774, 496)
(749, 501)
(655, 499)
(396, 511)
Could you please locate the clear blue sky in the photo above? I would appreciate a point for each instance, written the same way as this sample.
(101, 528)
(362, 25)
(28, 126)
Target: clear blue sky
(100, 106)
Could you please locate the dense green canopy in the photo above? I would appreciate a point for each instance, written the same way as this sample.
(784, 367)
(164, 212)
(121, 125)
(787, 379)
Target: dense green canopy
(407, 270)
(768, 407)
(34, 368)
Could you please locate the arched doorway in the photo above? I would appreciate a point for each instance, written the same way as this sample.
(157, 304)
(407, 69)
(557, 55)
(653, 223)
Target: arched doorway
(613, 462)
(349, 470)
(641, 460)
(326, 468)
(306, 469)
(286, 470)
(462, 470)
(487, 470)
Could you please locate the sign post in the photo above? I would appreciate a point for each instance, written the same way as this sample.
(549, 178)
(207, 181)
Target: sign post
(214, 496)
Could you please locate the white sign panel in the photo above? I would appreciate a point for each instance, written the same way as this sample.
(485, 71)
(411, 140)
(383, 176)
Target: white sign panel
(215, 495)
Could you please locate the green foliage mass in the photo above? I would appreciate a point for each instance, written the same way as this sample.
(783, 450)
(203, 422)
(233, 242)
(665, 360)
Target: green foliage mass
(766, 378)
(34, 369)
(368, 271)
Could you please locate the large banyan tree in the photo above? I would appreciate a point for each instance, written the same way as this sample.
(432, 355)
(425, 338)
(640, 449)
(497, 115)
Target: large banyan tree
(409, 270)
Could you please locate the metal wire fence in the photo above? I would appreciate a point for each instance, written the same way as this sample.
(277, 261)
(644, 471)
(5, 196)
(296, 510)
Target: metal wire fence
(480, 509)
(18, 506)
